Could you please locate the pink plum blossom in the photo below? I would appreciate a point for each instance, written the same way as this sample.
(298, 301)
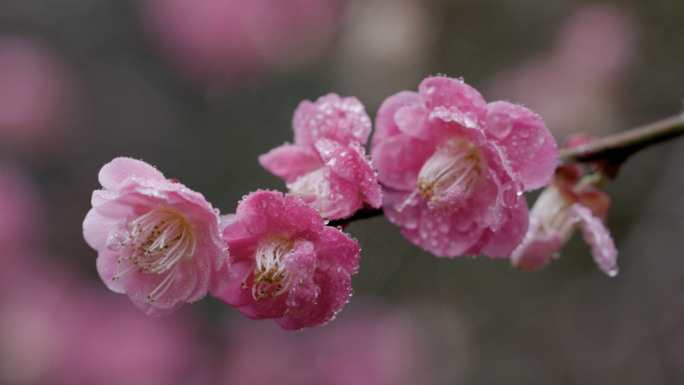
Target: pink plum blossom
(371, 343)
(157, 241)
(111, 343)
(562, 207)
(35, 318)
(327, 166)
(38, 97)
(22, 220)
(454, 168)
(288, 265)
(589, 59)
(55, 328)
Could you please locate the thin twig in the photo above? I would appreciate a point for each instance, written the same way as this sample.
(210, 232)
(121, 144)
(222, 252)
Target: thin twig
(618, 147)
(364, 213)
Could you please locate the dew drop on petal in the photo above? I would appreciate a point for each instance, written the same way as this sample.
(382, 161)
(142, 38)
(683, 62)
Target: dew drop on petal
(613, 272)
(509, 196)
(501, 127)
(444, 227)
(115, 238)
(411, 222)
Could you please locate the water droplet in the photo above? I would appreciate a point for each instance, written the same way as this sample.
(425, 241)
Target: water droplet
(613, 272)
(444, 227)
(509, 196)
(115, 239)
(410, 223)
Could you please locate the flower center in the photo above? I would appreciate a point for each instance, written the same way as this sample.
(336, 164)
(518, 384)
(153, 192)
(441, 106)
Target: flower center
(156, 242)
(311, 186)
(455, 164)
(551, 211)
(270, 276)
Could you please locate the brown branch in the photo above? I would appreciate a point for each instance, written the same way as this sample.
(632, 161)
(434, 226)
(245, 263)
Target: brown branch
(364, 213)
(617, 148)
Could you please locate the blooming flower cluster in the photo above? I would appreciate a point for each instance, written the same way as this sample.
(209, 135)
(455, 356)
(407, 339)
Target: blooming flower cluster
(163, 245)
(448, 168)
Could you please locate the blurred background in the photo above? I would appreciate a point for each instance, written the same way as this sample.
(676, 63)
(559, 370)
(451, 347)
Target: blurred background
(200, 88)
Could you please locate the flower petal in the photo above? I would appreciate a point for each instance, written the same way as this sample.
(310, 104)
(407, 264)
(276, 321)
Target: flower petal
(399, 160)
(596, 234)
(531, 150)
(120, 169)
(331, 117)
(441, 91)
(290, 161)
(385, 123)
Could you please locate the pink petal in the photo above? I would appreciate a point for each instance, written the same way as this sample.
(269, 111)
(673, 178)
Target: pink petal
(511, 231)
(120, 169)
(234, 294)
(265, 212)
(399, 160)
(385, 123)
(351, 174)
(441, 91)
(530, 148)
(331, 117)
(337, 250)
(537, 252)
(107, 266)
(290, 161)
(596, 234)
(96, 229)
(445, 235)
(412, 121)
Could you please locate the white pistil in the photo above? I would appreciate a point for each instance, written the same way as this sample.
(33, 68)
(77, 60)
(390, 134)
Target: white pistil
(270, 276)
(311, 186)
(552, 212)
(455, 163)
(155, 243)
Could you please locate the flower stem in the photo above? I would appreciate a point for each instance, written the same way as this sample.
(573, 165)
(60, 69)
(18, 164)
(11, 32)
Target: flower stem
(617, 148)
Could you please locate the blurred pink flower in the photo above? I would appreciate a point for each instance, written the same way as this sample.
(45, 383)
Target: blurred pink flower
(226, 41)
(22, 219)
(35, 319)
(375, 347)
(560, 209)
(327, 165)
(57, 329)
(112, 343)
(577, 82)
(370, 344)
(288, 265)
(454, 167)
(38, 96)
(157, 241)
